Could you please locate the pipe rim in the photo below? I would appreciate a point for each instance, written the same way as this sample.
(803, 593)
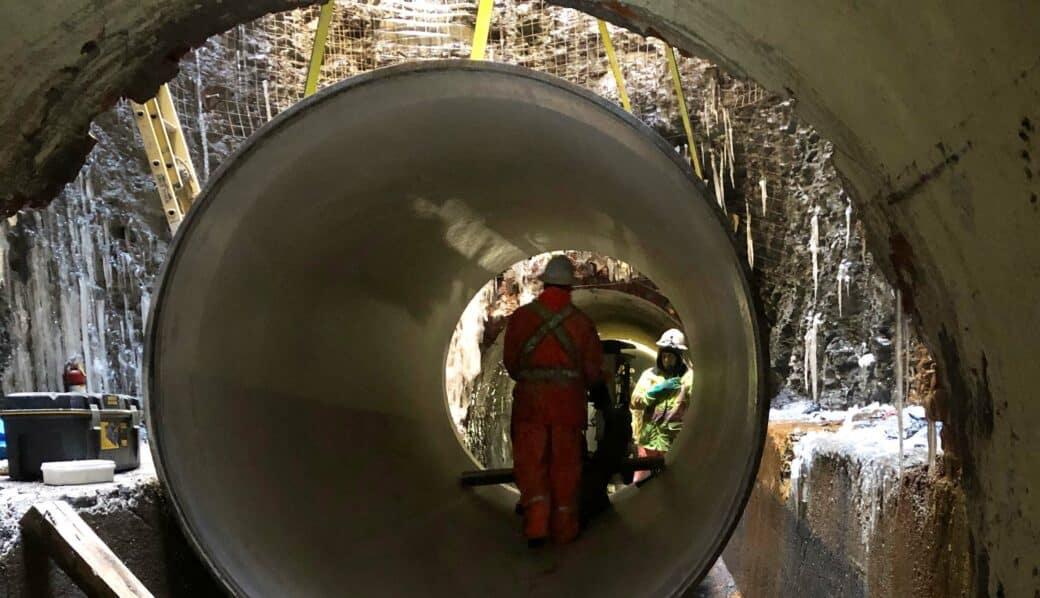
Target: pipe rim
(153, 406)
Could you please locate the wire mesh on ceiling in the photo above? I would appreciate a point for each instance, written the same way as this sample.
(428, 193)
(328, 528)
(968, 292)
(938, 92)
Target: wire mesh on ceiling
(240, 80)
(269, 57)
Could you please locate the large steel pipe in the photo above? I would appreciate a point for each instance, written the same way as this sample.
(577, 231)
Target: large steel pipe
(297, 340)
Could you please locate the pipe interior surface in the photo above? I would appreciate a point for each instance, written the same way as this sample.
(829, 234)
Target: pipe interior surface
(297, 342)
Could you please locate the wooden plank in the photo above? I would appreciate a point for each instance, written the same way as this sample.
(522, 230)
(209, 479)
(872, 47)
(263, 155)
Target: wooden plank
(37, 569)
(56, 529)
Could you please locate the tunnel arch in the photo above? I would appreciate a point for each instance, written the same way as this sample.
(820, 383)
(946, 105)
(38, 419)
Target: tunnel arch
(924, 152)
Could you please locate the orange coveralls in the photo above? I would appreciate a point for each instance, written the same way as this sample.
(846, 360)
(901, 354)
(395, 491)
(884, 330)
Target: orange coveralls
(554, 353)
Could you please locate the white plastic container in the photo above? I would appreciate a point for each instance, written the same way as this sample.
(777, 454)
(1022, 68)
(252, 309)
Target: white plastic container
(66, 473)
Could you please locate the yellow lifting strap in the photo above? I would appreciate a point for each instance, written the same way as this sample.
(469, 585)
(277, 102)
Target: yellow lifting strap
(318, 50)
(612, 58)
(674, 68)
(483, 27)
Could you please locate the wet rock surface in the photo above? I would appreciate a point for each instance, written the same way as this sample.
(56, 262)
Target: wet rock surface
(77, 275)
(853, 525)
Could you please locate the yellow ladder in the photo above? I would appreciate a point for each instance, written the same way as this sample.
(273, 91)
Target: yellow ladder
(168, 157)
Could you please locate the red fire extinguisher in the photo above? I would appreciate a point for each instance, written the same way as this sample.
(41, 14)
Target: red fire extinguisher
(74, 378)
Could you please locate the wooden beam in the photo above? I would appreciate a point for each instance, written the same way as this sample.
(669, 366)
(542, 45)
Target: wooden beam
(56, 529)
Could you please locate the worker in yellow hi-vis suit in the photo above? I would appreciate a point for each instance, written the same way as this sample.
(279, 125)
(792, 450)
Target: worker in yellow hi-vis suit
(661, 398)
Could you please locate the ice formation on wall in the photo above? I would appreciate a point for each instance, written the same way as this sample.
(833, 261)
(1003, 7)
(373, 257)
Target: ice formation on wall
(844, 282)
(810, 370)
(750, 240)
(814, 249)
(848, 223)
(869, 441)
(765, 197)
(76, 279)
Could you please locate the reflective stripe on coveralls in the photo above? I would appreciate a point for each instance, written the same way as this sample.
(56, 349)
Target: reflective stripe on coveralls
(553, 323)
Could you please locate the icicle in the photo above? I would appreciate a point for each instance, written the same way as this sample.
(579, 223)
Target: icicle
(814, 249)
(805, 357)
(707, 113)
(762, 186)
(716, 180)
(810, 368)
(899, 374)
(840, 312)
(267, 99)
(714, 103)
(3, 254)
(729, 147)
(750, 241)
(101, 370)
(844, 280)
(817, 322)
(722, 183)
(722, 169)
(848, 223)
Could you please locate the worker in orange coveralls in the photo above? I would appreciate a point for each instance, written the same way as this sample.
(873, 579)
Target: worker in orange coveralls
(553, 352)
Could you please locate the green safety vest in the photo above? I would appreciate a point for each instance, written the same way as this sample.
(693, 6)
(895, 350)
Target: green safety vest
(657, 422)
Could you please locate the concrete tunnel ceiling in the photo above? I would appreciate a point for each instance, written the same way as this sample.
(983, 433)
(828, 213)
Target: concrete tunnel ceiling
(932, 107)
(400, 523)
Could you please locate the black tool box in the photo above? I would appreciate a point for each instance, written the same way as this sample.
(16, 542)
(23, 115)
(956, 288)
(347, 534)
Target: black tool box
(43, 427)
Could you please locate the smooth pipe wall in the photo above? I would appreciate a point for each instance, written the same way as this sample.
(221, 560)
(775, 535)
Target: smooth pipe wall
(297, 341)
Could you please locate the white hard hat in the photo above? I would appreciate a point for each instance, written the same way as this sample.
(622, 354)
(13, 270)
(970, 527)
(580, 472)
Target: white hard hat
(559, 271)
(672, 338)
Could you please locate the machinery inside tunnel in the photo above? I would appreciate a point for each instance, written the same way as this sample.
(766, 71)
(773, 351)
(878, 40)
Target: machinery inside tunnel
(465, 208)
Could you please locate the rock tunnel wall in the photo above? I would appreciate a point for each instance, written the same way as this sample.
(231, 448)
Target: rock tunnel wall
(857, 528)
(939, 150)
(77, 275)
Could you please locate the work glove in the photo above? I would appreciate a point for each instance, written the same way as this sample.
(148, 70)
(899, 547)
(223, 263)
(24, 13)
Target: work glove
(662, 389)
